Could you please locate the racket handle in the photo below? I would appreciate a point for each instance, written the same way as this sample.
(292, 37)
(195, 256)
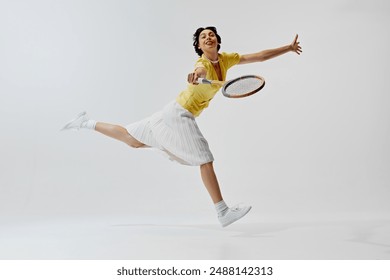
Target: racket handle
(210, 82)
(204, 81)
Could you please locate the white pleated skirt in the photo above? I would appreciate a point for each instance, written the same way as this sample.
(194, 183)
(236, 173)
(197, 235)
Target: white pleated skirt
(174, 131)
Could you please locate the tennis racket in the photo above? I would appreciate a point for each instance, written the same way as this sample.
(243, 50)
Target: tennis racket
(239, 87)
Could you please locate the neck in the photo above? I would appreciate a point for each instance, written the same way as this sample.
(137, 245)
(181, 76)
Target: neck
(212, 57)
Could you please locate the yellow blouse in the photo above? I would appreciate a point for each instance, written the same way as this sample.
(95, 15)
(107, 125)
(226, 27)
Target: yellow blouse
(197, 97)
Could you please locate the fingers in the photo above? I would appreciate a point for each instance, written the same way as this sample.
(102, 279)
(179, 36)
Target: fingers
(299, 50)
(295, 39)
(295, 45)
(193, 78)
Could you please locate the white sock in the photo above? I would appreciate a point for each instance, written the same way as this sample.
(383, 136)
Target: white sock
(221, 208)
(89, 124)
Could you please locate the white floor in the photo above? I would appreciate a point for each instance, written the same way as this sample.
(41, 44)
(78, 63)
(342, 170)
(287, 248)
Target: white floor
(104, 239)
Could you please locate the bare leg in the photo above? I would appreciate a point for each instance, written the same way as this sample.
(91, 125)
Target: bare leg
(210, 181)
(119, 133)
(207, 170)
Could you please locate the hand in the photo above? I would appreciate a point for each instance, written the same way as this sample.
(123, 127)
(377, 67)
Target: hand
(295, 47)
(193, 78)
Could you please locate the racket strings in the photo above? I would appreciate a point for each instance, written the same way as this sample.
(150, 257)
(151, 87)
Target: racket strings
(243, 86)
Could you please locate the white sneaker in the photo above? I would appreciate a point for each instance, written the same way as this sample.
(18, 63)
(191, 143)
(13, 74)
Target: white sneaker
(77, 122)
(233, 214)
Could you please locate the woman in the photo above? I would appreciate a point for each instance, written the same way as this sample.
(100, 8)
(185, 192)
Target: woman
(174, 129)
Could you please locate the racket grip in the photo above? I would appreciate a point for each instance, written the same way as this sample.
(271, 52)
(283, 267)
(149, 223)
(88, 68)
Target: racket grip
(204, 81)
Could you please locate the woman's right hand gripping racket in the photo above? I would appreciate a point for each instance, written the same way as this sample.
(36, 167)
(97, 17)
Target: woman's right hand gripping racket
(239, 87)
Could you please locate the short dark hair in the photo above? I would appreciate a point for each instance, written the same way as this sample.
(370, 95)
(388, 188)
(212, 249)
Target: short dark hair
(196, 38)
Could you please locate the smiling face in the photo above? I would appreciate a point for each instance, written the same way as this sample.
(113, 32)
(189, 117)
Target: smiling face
(208, 41)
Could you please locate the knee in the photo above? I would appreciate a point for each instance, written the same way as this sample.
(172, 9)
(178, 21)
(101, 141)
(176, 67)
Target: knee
(132, 142)
(207, 165)
(136, 145)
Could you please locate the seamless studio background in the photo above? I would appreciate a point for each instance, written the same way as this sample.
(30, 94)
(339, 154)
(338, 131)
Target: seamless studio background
(310, 152)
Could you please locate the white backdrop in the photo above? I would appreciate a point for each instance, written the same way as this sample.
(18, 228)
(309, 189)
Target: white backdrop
(312, 145)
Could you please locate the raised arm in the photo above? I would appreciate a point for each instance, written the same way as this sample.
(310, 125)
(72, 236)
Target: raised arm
(272, 53)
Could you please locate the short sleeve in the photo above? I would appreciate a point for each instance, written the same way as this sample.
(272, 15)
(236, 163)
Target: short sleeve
(230, 59)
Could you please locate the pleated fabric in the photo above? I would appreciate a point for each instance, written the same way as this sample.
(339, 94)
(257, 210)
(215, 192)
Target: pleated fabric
(174, 131)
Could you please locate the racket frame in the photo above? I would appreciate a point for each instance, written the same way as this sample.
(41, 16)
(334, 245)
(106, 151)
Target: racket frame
(225, 85)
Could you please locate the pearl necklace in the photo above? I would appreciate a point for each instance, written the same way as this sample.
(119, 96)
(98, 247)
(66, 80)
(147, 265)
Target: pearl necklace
(212, 61)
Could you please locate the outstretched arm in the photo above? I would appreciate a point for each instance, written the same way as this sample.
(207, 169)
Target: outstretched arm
(268, 54)
(200, 72)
